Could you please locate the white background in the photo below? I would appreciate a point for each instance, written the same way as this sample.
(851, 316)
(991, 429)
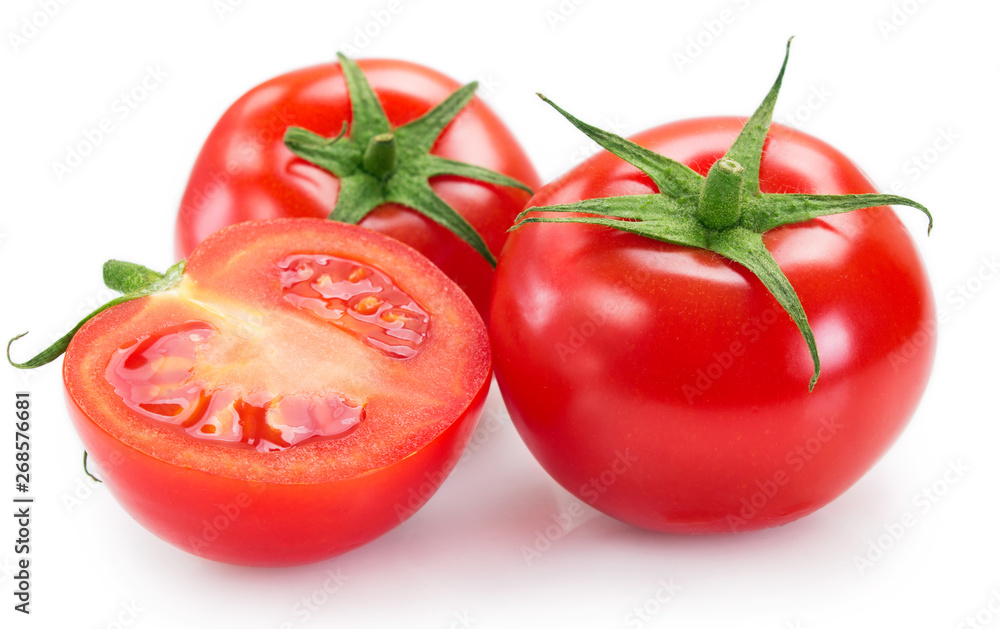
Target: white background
(890, 93)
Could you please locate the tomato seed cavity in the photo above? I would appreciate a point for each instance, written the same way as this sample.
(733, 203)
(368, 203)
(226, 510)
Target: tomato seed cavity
(153, 376)
(357, 298)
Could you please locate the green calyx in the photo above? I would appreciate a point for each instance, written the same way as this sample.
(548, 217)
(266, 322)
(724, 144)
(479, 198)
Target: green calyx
(724, 212)
(377, 164)
(131, 280)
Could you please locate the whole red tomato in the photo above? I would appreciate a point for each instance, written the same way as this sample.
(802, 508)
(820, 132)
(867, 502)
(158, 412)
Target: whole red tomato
(666, 386)
(245, 170)
(299, 388)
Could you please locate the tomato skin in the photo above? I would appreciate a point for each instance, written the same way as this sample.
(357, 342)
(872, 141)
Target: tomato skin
(666, 387)
(261, 524)
(316, 499)
(245, 172)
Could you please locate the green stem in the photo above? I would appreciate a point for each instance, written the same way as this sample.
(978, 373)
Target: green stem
(379, 159)
(725, 212)
(87, 471)
(719, 205)
(377, 163)
(133, 280)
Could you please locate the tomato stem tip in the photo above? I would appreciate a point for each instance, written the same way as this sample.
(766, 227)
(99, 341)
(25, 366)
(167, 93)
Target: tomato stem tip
(379, 159)
(719, 204)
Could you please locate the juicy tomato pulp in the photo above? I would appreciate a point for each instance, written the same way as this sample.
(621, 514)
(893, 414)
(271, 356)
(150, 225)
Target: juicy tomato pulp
(155, 377)
(666, 386)
(311, 373)
(357, 298)
(245, 172)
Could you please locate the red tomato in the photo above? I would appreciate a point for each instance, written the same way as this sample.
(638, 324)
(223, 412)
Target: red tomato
(245, 171)
(304, 388)
(665, 386)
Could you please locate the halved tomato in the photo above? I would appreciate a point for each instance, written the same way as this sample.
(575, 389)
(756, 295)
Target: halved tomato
(300, 390)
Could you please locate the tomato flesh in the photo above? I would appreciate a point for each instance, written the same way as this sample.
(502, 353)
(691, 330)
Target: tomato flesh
(323, 420)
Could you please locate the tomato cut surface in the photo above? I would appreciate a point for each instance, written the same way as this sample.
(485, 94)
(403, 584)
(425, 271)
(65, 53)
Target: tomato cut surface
(301, 356)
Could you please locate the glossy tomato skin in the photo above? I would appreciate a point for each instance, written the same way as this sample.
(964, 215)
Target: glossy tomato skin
(666, 387)
(315, 499)
(245, 172)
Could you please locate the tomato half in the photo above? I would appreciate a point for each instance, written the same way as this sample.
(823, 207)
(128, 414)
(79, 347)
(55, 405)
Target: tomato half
(303, 389)
(665, 386)
(246, 172)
